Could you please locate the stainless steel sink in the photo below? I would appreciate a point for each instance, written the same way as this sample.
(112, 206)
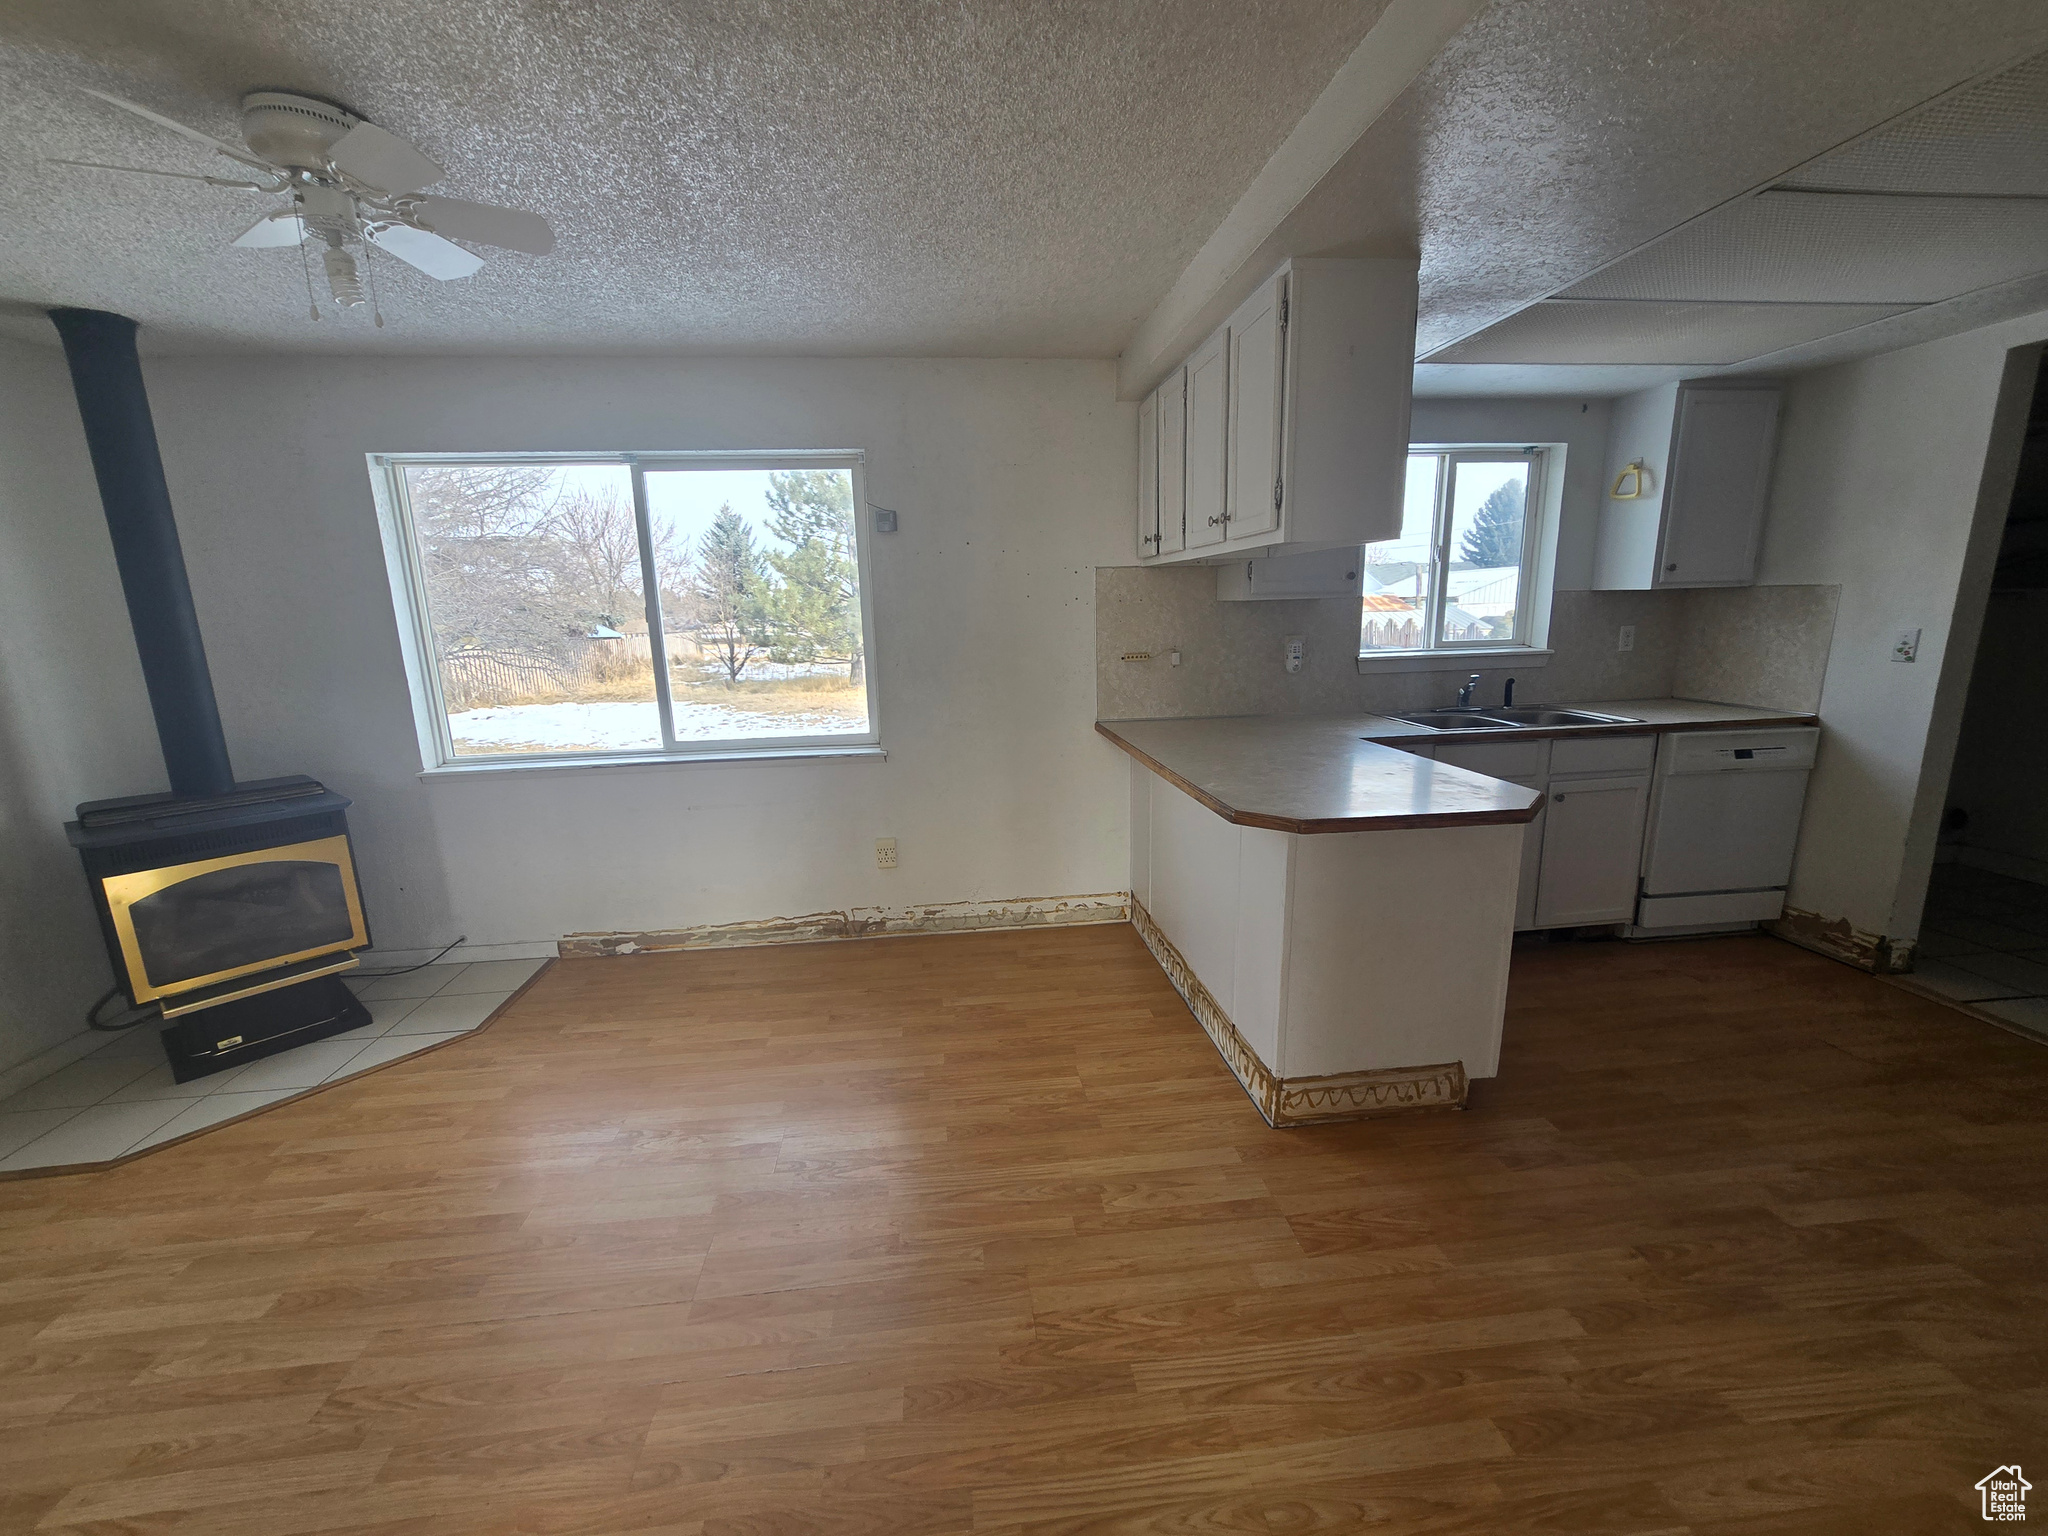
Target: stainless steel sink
(1509, 718)
(1537, 715)
(1457, 720)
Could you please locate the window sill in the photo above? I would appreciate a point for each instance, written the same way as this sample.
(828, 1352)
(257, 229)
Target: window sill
(485, 768)
(1454, 661)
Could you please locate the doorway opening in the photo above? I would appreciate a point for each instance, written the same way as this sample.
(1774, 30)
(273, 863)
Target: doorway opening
(1984, 933)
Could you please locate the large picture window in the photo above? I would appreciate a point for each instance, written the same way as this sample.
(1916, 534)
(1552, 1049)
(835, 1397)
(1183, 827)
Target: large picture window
(572, 607)
(1461, 573)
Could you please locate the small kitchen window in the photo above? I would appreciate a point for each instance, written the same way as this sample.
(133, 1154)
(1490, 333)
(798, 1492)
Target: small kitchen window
(1462, 575)
(577, 608)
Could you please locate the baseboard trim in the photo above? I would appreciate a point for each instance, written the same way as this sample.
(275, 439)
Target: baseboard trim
(1295, 1101)
(1836, 938)
(861, 923)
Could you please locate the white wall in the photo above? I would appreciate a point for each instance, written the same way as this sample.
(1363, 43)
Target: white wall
(1877, 488)
(1013, 480)
(74, 720)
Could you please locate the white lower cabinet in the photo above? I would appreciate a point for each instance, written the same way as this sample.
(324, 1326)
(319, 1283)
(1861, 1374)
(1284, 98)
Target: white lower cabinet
(1582, 853)
(1592, 849)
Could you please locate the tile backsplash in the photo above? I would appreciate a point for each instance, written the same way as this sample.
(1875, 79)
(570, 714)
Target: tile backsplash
(1750, 645)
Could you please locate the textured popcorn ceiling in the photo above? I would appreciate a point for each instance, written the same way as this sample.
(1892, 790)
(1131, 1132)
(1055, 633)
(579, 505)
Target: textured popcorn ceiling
(809, 176)
(916, 177)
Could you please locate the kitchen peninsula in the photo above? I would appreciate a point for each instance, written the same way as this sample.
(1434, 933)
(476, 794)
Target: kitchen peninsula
(1338, 914)
(1339, 911)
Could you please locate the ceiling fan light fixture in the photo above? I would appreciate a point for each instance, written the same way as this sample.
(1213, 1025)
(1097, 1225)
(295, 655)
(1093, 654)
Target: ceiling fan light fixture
(343, 280)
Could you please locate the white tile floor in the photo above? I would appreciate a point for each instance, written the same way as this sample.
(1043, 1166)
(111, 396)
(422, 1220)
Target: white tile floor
(121, 1099)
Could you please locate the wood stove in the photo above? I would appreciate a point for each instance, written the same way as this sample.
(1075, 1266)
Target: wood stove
(229, 907)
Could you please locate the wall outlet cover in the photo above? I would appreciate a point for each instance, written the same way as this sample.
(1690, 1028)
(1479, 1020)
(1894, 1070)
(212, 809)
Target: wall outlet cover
(1626, 640)
(1296, 652)
(885, 853)
(1906, 645)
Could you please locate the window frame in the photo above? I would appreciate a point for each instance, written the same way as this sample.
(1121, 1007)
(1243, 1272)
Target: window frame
(1531, 608)
(423, 660)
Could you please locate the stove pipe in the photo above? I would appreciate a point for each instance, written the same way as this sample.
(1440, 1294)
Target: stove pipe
(107, 375)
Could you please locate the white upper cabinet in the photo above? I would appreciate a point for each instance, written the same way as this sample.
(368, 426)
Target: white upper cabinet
(1208, 432)
(1173, 462)
(1257, 336)
(1693, 464)
(1148, 474)
(1162, 467)
(1295, 418)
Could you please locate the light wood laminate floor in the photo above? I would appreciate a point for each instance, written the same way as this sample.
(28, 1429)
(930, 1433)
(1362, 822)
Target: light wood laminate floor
(975, 1233)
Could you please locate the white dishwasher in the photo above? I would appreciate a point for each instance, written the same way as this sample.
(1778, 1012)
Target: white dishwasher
(1724, 816)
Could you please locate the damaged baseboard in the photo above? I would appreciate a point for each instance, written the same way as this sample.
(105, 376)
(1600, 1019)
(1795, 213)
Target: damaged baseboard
(862, 923)
(1836, 938)
(1291, 1101)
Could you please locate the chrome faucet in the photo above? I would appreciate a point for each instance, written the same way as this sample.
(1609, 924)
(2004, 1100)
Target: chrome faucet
(1465, 693)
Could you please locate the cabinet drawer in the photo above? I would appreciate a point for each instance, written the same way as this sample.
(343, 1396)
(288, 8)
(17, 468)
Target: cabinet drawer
(1602, 754)
(1499, 759)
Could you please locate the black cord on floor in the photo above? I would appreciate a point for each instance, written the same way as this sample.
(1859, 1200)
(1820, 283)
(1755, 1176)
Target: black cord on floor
(92, 1014)
(464, 939)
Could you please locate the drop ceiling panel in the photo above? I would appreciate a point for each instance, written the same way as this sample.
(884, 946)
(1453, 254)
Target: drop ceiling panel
(1832, 248)
(1988, 138)
(1582, 332)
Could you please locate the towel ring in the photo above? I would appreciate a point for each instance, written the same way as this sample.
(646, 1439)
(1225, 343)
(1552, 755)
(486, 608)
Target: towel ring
(1639, 475)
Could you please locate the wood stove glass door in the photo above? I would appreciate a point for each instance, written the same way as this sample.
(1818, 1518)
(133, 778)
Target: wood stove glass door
(193, 925)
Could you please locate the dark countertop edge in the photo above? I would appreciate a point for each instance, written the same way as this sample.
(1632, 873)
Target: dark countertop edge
(1305, 826)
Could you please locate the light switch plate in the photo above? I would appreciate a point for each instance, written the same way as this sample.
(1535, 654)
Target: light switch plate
(1296, 652)
(1906, 645)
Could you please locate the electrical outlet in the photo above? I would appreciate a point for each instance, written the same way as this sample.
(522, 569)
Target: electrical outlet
(1296, 652)
(1906, 645)
(885, 853)
(1626, 640)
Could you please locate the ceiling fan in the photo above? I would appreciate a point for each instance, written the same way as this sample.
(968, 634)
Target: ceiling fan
(350, 183)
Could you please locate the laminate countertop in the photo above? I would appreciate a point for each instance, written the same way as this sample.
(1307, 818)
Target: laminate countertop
(1333, 773)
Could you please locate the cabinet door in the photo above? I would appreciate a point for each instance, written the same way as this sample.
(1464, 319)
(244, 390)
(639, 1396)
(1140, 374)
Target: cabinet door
(1592, 848)
(1721, 448)
(1148, 477)
(1173, 462)
(1208, 434)
(1257, 378)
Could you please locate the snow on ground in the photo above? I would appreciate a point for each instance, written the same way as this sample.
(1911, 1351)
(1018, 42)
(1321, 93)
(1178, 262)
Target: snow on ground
(611, 727)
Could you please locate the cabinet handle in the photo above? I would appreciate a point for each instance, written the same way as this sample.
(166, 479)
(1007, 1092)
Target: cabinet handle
(1214, 521)
(1672, 566)
(1557, 797)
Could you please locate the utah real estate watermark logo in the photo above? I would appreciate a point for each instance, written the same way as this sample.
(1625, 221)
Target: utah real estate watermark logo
(2005, 1494)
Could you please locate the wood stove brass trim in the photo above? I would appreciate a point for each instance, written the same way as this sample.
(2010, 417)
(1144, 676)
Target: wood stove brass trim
(187, 1003)
(123, 891)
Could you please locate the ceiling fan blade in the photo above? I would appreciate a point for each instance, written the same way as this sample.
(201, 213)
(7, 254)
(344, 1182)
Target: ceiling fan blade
(383, 160)
(144, 170)
(273, 229)
(220, 146)
(487, 225)
(423, 249)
